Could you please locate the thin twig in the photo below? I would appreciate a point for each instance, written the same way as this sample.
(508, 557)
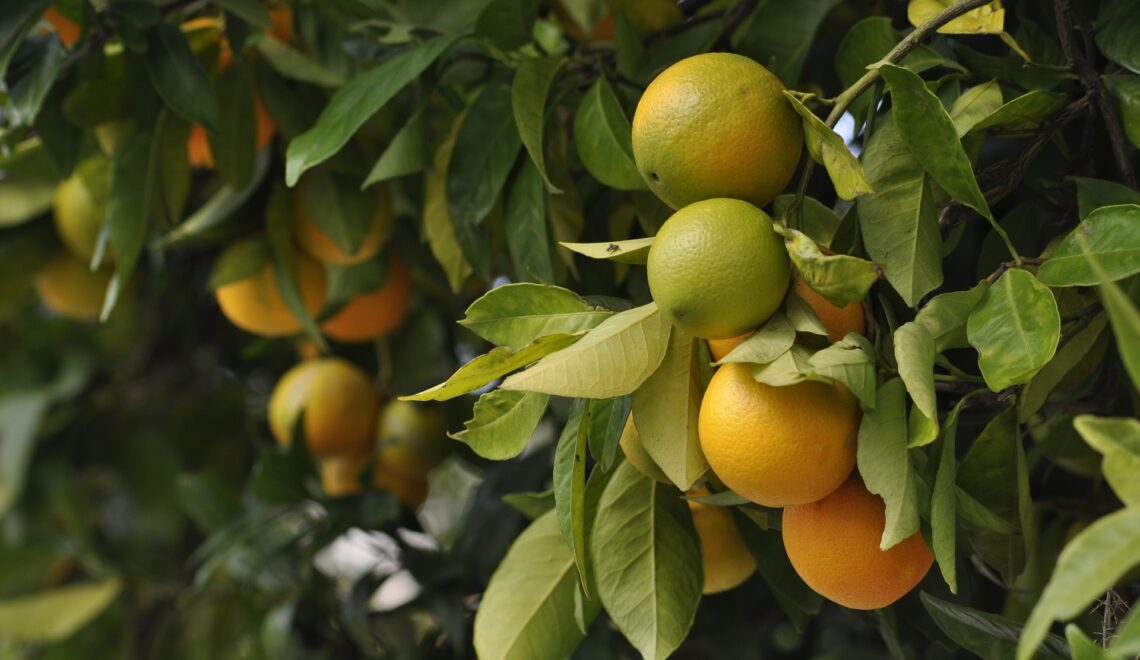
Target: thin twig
(1094, 84)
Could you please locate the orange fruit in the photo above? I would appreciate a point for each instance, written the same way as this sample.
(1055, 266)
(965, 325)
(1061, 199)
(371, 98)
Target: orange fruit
(837, 320)
(727, 561)
(282, 19)
(68, 287)
(338, 403)
(650, 15)
(68, 30)
(602, 30)
(716, 125)
(777, 446)
(411, 438)
(722, 347)
(79, 206)
(374, 314)
(834, 546)
(198, 143)
(321, 247)
(412, 490)
(340, 475)
(254, 304)
(717, 269)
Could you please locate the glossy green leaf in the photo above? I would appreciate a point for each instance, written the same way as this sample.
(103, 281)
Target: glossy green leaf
(484, 153)
(944, 502)
(776, 570)
(1016, 328)
(780, 39)
(570, 488)
(1117, 25)
(789, 368)
(914, 353)
(1123, 316)
(438, 226)
(769, 342)
(497, 363)
(279, 227)
(899, 223)
(355, 102)
(612, 359)
(840, 278)
(239, 261)
(517, 314)
(508, 23)
(974, 105)
(634, 251)
(20, 416)
(1070, 354)
(1118, 439)
(1025, 111)
(1126, 642)
(987, 19)
(931, 137)
(27, 93)
(1095, 193)
(1112, 236)
(235, 144)
(945, 316)
(17, 21)
(408, 153)
(502, 423)
(133, 179)
(527, 610)
(819, 222)
(529, 92)
(531, 505)
(1126, 92)
(293, 64)
(885, 465)
(607, 422)
(802, 316)
(850, 361)
(829, 150)
(984, 634)
(647, 562)
(179, 78)
(338, 207)
(525, 223)
(55, 614)
(1088, 566)
(665, 410)
(602, 136)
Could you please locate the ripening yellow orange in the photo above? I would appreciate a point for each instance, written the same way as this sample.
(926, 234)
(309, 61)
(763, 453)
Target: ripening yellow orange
(317, 244)
(411, 438)
(338, 404)
(839, 321)
(373, 314)
(834, 546)
(727, 561)
(68, 287)
(255, 305)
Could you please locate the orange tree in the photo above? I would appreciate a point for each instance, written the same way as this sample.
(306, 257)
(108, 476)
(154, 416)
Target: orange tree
(785, 328)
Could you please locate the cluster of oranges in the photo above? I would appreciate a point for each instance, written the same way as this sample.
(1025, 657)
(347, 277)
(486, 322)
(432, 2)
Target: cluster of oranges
(345, 423)
(715, 139)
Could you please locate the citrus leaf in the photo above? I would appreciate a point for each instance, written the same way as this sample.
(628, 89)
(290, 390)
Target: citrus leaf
(914, 353)
(55, 614)
(634, 251)
(819, 222)
(292, 63)
(529, 92)
(974, 105)
(665, 410)
(355, 102)
(1123, 315)
(507, 23)
(503, 423)
(1095, 193)
(647, 562)
(984, 634)
(931, 137)
(840, 278)
(1068, 356)
(602, 136)
(570, 488)
(849, 361)
(339, 208)
(20, 416)
(829, 150)
(885, 465)
(900, 222)
(495, 364)
(438, 227)
(920, 429)
(525, 225)
(769, 342)
(789, 368)
(944, 502)
(517, 314)
(1118, 439)
(133, 180)
(1112, 236)
(607, 421)
(974, 512)
(1025, 111)
(484, 152)
(1116, 25)
(1126, 92)
(1088, 566)
(987, 19)
(612, 359)
(408, 153)
(527, 610)
(781, 39)
(241, 260)
(944, 316)
(531, 505)
(1015, 327)
(178, 77)
(802, 316)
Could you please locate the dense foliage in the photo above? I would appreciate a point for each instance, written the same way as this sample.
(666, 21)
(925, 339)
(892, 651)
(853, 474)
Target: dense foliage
(969, 170)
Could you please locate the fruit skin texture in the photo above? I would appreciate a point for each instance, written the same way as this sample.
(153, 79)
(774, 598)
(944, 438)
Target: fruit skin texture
(777, 446)
(411, 438)
(727, 561)
(717, 269)
(80, 213)
(838, 320)
(374, 314)
(722, 347)
(834, 546)
(66, 286)
(716, 125)
(322, 248)
(338, 402)
(255, 304)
